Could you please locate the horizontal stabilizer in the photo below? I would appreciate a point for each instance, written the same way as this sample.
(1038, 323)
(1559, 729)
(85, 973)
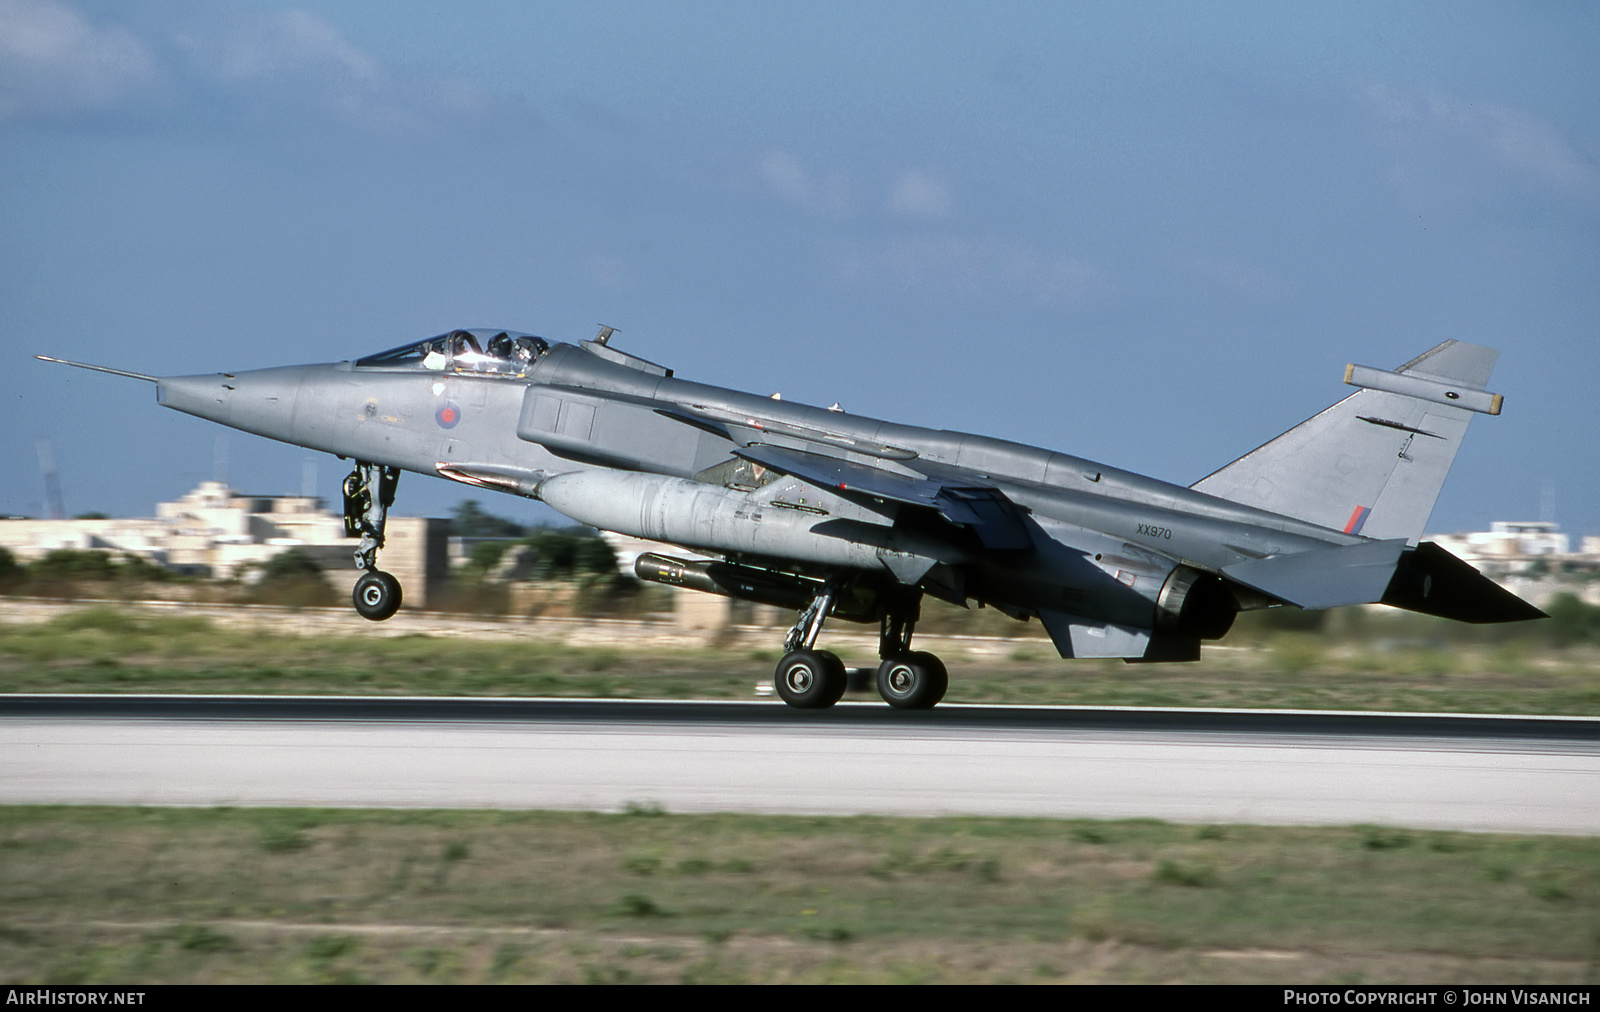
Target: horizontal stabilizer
(1323, 577)
(1432, 581)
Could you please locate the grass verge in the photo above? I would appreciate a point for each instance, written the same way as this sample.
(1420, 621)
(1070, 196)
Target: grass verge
(120, 895)
(106, 649)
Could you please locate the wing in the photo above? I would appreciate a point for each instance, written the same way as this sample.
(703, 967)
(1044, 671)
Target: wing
(985, 510)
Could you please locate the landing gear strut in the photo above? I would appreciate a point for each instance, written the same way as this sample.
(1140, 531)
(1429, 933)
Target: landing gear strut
(368, 494)
(813, 679)
(806, 678)
(907, 679)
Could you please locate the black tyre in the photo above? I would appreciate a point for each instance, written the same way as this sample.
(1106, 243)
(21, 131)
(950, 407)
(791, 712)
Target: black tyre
(838, 676)
(377, 595)
(914, 681)
(810, 679)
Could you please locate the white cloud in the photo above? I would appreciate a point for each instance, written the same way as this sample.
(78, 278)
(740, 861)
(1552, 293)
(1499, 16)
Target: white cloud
(826, 194)
(291, 60)
(1516, 141)
(290, 42)
(920, 195)
(53, 60)
(950, 265)
(297, 50)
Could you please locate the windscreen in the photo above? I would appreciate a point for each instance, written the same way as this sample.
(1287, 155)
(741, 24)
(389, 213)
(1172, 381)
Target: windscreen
(495, 352)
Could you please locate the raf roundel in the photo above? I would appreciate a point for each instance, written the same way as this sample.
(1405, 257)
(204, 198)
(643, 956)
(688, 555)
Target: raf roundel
(447, 414)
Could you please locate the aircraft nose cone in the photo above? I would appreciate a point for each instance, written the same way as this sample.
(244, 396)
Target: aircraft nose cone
(209, 396)
(261, 401)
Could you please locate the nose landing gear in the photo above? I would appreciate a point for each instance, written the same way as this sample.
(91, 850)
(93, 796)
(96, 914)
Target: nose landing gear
(368, 494)
(377, 595)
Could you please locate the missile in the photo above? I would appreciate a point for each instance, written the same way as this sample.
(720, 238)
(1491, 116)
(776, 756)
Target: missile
(748, 583)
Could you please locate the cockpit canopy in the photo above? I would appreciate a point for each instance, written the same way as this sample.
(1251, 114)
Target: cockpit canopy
(496, 352)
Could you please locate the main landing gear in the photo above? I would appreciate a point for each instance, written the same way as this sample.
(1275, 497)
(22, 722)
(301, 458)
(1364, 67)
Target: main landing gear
(812, 679)
(907, 679)
(806, 678)
(368, 494)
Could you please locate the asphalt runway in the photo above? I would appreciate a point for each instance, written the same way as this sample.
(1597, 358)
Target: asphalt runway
(1508, 774)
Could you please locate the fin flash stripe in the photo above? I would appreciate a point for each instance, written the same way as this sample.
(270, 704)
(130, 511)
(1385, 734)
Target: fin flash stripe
(1358, 517)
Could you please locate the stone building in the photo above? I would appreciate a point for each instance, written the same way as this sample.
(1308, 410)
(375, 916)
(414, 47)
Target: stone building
(218, 533)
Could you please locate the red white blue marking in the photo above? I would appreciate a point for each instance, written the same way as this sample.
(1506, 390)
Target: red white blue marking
(1358, 517)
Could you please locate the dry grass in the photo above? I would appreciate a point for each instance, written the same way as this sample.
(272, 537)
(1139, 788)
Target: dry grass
(102, 649)
(179, 895)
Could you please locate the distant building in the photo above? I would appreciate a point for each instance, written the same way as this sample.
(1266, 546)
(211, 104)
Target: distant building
(218, 533)
(1531, 558)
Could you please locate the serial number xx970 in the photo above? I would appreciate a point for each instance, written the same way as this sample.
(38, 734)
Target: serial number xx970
(1155, 532)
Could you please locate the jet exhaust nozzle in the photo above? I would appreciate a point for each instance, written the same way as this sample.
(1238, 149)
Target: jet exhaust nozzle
(1192, 603)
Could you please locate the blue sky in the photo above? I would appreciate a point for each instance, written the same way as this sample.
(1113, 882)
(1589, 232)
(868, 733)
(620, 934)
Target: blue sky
(1149, 234)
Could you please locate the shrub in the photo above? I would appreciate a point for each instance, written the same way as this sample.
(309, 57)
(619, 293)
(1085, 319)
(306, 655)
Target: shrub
(72, 564)
(293, 579)
(1572, 621)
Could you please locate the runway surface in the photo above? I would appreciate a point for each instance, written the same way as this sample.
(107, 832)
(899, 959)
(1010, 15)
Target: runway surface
(1513, 774)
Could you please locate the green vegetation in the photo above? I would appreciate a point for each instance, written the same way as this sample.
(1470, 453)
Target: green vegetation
(1572, 621)
(103, 895)
(470, 520)
(557, 553)
(293, 579)
(572, 564)
(70, 565)
(1395, 666)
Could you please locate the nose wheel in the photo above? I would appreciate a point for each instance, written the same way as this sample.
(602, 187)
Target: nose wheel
(368, 494)
(377, 595)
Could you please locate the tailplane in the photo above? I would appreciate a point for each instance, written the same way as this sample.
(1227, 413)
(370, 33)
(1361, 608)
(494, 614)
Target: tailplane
(1372, 464)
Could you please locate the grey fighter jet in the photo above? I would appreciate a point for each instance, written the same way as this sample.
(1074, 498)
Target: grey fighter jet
(839, 515)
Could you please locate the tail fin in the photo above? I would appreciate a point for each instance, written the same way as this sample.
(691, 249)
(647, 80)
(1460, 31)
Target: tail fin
(1373, 463)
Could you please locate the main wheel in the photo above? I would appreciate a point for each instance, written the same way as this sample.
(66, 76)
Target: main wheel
(377, 595)
(810, 679)
(914, 681)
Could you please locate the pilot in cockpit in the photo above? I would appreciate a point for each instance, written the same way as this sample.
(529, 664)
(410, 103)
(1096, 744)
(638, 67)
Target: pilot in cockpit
(467, 355)
(528, 351)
